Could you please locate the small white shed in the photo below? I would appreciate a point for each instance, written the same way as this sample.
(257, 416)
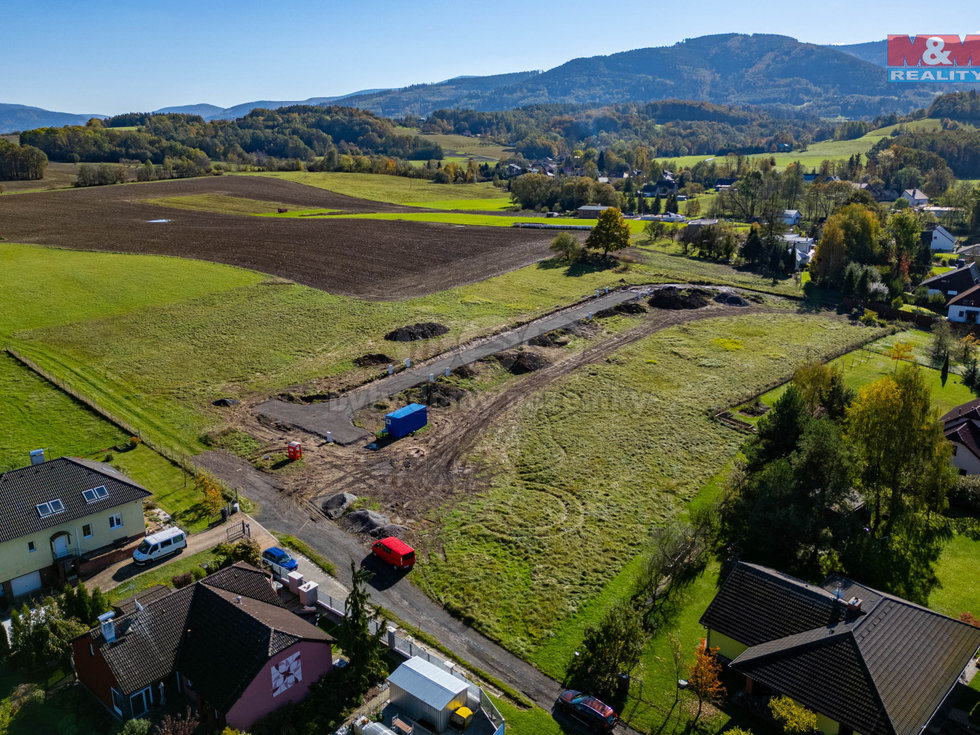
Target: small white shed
(427, 692)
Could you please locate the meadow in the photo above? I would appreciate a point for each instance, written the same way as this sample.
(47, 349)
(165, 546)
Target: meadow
(581, 472)
(158, 368)
(816, 153)
(401, 190)
(871, 362)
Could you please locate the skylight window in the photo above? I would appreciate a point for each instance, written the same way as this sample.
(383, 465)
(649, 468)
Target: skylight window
(95, 494)
(52, 507)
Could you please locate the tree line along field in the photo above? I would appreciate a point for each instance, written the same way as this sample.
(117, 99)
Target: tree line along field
(208, 331)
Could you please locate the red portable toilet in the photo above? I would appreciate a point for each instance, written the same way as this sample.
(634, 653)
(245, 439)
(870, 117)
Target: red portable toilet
(294, 450)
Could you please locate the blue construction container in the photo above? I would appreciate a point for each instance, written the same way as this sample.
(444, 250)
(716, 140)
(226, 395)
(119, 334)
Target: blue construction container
(406, 420)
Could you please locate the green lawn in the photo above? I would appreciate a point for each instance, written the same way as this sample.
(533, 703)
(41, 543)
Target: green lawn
(957, 571)
(158, 368)
(161, 574)
(867, 364)
(465, 147)
(581, 473)
(402, 190)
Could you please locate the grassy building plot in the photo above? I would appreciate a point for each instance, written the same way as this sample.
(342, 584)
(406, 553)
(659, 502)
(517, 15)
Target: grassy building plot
(582, 472)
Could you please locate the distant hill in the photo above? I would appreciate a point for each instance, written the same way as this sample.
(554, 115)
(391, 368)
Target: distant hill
(204, 110)
(874, 52)
(759, 69)
(22, 117)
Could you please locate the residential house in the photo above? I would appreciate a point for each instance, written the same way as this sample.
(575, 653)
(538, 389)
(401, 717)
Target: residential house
(915, 197)
(804, 247)
(666, 185)
(791, 217)
(865, 661)
(962, 428)
(703, 222)
(226, 643)
(953, 282)
(965, 307)
(938, 239)
(51, 513)
(725, 183)
(590, 211)
(969, 251)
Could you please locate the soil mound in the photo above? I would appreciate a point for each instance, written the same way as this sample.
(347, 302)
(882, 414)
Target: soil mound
(413, 332)
(629, 307)
(373, 358)
(439, 395)
(554, 338)
(225, 402)
(335, 505)
(672, 297)
(521, 362)
(366, 521)
(465, 371)
(731, 299)
(392, 529)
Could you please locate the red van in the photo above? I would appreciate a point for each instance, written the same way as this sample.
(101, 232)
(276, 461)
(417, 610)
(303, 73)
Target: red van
(395, 552)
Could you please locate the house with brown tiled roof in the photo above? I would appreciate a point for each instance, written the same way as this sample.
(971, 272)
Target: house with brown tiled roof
(962, 428)
(225, 643)
(865, 661)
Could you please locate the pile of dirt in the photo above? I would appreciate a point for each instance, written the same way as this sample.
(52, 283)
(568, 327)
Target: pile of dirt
(731, 299)
(629, 307)
(392, 529)
(440, 395)
(290, 397)
(413, 332)
(365, 521)
(225, 402)
(554, 338)
(373, 358)
(521, 362)
(465, 371)
(672, 297)
(335, 505)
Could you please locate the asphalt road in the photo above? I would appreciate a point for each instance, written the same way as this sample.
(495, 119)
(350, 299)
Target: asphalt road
(334, 416)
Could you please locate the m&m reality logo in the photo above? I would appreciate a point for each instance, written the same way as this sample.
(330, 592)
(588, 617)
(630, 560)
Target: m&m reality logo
(933, 58)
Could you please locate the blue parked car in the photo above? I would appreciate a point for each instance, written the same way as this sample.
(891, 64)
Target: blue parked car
(279, 558)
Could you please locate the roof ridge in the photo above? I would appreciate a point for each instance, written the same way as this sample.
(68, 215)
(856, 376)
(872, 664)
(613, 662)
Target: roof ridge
(86, 464)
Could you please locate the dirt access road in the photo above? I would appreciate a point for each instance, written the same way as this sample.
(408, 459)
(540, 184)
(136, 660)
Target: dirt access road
(412, 478)
(333, 418)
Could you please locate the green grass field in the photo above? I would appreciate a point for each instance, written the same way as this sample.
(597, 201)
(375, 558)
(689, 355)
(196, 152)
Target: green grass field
(158, 368)
(580, 473)
(464, 147)
(220, 203)
(816, 153)
(866, 365)
(957, 571)
(161, 574)
(401, 190)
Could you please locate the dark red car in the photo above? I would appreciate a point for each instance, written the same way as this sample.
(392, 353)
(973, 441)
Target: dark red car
(588, 710)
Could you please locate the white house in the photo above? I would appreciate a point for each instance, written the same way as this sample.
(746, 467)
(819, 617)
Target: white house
(938, 239)
(804, 246)
(915, 197)
(965, 307)
(791, 217)
(962, 428)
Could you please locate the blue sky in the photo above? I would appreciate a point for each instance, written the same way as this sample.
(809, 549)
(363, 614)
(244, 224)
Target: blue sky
(110, 57)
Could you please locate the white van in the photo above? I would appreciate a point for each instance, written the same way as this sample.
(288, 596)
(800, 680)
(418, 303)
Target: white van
(159, 545)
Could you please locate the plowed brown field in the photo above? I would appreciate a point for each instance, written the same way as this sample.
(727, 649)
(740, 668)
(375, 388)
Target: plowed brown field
(370, 259)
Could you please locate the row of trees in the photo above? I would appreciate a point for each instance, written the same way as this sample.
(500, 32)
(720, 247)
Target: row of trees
(538, 191)
(852, 482)
(21, 162)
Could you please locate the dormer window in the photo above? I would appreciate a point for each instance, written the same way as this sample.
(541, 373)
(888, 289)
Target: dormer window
(50, 508)
(95, 494)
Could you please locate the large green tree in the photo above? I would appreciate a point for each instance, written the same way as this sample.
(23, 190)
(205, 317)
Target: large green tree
(364, 648)
(609, 649)
(611, 232)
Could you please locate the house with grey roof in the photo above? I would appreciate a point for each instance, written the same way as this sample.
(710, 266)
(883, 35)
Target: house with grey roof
(52, 513)
(965, 307)
(915, 197)
(865, 661)
(938, 239)
(225, 643)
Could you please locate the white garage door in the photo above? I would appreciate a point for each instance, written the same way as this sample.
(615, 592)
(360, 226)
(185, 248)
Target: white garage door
(26, 584)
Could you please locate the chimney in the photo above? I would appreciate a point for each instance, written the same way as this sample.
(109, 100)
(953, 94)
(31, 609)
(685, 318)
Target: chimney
(37, 456)
(854, 604)
(108, 626)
